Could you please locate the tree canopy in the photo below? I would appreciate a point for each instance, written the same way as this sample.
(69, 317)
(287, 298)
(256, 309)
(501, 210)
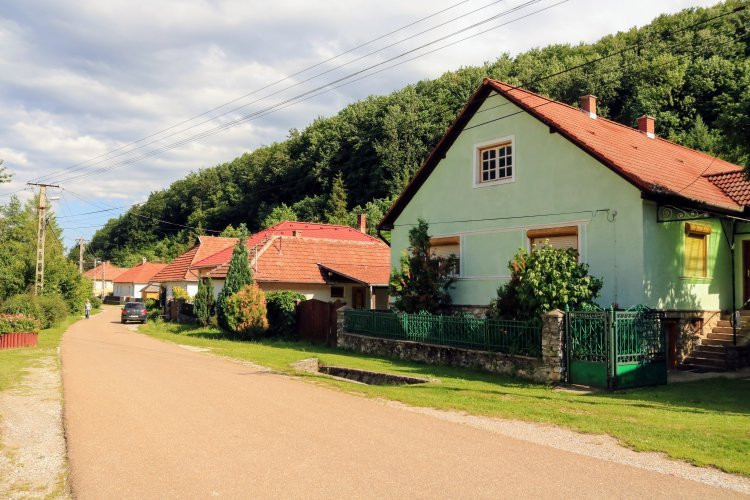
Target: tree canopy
(694, 80)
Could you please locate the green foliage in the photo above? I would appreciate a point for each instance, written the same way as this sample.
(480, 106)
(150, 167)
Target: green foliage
(231, 232)
(374, 146)
(542, 280)
(278, 214)
(54, 309)
(204, 302)
(239, 275)
(179, 293)
(336, 212)
(282, 312)
(4, 176)
(424, 279)
(96, 302)
(19, 323)
(246, 313)
(26, 304)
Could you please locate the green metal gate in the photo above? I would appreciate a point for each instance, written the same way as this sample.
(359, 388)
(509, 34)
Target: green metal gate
(616, 349)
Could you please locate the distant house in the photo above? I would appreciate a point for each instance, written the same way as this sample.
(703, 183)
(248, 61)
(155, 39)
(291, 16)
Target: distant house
(321, 261)
(131, 283)
(102, 277)
(181, 273)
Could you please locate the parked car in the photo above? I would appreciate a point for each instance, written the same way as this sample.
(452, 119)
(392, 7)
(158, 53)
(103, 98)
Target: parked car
(134, 311)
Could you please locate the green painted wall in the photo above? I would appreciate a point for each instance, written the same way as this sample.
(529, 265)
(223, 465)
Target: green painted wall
(664, 280)
(555, 184)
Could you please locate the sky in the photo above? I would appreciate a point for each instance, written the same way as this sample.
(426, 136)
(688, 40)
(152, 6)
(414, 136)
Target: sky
(115, 99)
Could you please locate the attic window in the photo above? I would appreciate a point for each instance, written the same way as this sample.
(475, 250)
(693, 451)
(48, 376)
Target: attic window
(495, 162)
(696, 250)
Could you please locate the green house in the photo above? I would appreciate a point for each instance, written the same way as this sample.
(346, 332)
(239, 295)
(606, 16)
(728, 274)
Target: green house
(663, 225)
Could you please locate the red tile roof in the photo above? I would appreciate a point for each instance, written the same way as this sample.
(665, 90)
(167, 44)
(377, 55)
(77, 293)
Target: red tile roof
(655, 166)
(288, 228)
(735, 184)
(142, 273)
(100, 272)
(180, 268)
(290, 259)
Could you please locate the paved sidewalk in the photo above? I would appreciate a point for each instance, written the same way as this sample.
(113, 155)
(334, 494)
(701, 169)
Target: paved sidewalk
(146, 419)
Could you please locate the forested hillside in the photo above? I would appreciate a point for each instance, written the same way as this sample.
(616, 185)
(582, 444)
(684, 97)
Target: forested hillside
(695, 82)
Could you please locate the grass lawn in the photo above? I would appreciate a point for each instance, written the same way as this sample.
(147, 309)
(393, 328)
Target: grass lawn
(704, 422)
(13, 362)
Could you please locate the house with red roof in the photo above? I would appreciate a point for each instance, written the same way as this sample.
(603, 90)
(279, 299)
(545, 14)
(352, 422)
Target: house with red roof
(102, 276)
(131, 283)
(181, 272)
(664, 225)
(322, 261)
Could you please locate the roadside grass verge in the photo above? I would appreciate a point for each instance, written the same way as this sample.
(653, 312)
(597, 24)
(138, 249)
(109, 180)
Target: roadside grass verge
(14, 362)
(704, 422)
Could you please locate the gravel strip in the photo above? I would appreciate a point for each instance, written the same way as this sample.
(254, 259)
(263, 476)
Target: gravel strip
(32, 442)
(592, 445)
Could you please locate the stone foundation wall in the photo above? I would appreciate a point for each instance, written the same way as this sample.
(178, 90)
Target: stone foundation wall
(549, 368)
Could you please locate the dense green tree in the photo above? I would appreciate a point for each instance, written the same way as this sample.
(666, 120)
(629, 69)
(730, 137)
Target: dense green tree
(278, 214)
(239, 275)
(203, 302)
(336, 211)
(423, 281)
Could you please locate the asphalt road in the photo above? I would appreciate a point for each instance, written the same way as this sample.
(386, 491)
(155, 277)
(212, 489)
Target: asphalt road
(146, 419)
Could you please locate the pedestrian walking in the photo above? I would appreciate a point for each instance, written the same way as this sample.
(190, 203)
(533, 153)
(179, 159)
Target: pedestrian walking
(87, 308)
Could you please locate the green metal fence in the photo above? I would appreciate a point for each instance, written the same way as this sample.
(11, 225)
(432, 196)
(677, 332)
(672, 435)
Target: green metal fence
(616, 349)
(519, 338)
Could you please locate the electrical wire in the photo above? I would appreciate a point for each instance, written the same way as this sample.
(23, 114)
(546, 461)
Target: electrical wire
(318, 90)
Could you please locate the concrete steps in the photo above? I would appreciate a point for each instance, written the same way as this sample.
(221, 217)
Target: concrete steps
(710, 354)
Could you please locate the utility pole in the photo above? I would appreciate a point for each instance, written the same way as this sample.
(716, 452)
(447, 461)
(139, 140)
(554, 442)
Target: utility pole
(41, 235)
(95, 260)
(104, 279)
(80, 255)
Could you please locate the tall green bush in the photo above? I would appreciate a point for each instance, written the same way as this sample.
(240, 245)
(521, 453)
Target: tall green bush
(282, 312)
(542, 280)
(204, 302)
(246, 312)
(25, 304)
(54, 309)
(239, 275)
(424, 279)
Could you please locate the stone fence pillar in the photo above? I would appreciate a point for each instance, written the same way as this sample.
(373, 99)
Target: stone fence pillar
(553, 342)
(340, 324)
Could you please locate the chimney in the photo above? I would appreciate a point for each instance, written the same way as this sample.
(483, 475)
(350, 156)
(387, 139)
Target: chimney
(588, 105)
(297, 233)
(362, 223)
(647, 124)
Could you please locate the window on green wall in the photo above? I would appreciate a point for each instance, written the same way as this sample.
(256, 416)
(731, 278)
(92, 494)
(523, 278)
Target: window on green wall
(696, 250)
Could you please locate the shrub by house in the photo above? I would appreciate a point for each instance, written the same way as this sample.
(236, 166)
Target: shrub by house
(246, 313)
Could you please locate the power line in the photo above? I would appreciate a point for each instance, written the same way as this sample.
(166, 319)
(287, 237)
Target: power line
(304, 70)
(320, 90)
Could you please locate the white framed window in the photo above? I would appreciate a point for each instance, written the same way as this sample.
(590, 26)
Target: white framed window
(494, 162)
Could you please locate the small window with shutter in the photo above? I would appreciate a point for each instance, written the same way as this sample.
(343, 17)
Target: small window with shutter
(696, 250)
(556, 237)
(445, 247)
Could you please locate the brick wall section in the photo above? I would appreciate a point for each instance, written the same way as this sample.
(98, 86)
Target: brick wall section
(548, 368)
